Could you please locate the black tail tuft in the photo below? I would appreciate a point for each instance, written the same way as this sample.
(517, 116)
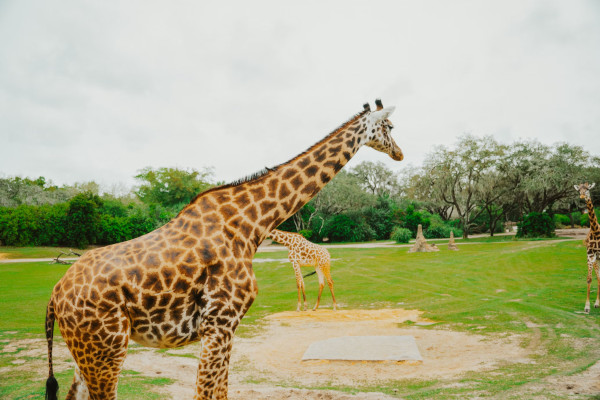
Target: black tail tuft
(51, 383)
(309, 274)
(51, 388)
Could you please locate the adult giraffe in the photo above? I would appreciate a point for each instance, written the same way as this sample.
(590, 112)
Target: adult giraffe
(192, 279)
(304, 253)
(592, 243)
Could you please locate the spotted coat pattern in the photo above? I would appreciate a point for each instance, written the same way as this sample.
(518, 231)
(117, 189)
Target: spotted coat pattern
(303, 253)
(592, 243)
(192, 279)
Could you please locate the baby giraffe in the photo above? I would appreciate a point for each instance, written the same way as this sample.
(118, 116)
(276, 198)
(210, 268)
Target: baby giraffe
(303, 253)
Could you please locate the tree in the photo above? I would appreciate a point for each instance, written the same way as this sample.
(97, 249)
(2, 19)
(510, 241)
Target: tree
(418, 187)
(16, 191)
(542, 176)
(171, 186)
(376, 178)
(456, 176)
(83, 219)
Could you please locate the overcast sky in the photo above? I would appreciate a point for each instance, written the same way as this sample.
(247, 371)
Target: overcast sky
(98, 90)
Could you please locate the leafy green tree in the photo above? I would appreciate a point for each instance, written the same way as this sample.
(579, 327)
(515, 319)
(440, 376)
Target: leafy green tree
(456, 176)
(375, 178)
(536, 224)
(171, 186)
(53, 231)
(348, 227)
(21, 226)
(410, 218)
(542, 176)
(83, 220)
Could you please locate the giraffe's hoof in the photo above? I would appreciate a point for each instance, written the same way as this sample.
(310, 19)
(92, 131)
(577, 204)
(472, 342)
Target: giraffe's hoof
(586, 310)
(596, 305)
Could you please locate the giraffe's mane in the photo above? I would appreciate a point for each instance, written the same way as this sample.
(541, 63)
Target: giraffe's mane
(265, 171)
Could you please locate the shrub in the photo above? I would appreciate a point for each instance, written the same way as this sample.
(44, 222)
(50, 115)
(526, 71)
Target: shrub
(562, 220)
(536, 225)
(83, 220)
(438, 229)
(441, 232)
(348, 227)
(411, 219)
(401, 235)
(52, 225)
(380, 221)
(21, 226)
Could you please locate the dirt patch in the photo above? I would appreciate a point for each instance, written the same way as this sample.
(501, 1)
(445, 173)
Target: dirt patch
(3, 256)
(579, 233)
(587, 382)
(278, 351)
(275, 356)
(268, 366)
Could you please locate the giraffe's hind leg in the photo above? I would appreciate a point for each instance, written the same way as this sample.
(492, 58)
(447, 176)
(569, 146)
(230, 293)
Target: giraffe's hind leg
(327, 272)
(99, 349)
(591, 262)
(321, 285)
(79, 390)
(324, 273)
(597, 303)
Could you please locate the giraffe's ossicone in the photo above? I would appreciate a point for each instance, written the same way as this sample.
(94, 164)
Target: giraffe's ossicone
(303, 253)
(192, 279)
(592, 243)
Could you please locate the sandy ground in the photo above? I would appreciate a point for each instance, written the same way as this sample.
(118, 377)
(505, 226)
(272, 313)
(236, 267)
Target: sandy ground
(268, 365)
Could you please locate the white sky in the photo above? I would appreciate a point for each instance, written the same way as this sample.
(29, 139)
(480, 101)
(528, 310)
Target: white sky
(97, 90)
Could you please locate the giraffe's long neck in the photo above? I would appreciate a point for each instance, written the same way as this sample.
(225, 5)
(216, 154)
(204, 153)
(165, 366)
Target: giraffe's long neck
(592, 216)
(283, 191)
(250, 210)
(281, 237)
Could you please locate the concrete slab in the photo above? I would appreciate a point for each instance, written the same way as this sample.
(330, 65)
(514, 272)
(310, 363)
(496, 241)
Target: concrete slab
(365, 348)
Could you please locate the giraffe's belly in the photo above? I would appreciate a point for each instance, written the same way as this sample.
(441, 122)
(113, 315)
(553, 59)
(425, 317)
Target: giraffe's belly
(173, 321)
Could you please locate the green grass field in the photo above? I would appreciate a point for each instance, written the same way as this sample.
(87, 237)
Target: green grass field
(494, 289)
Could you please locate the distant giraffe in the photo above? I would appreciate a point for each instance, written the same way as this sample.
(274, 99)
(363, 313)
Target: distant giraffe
(303, 253)
(192, 279)
(592, 243)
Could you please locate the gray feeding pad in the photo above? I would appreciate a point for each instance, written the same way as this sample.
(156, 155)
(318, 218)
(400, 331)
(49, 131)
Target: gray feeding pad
(365, 348)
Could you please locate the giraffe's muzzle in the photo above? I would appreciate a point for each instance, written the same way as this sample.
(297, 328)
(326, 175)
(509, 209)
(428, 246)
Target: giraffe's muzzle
(397, 155)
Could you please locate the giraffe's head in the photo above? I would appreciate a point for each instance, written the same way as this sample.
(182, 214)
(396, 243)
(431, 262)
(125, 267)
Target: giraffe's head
(584, 190)
(379, 129)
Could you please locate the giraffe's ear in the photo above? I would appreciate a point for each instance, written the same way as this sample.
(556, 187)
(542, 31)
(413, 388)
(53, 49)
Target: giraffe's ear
(576, 187)
(382, 114)
(591, 186)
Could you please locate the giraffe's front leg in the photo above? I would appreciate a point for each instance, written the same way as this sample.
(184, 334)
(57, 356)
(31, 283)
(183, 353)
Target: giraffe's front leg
(591, 259)
(299, 286)
(224, 308)
(211, 380)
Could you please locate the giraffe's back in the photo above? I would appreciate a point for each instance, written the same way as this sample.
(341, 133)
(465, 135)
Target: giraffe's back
(309, 254)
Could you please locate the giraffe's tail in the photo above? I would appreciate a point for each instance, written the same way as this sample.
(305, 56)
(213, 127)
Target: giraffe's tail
(51, 383)
(309, 274)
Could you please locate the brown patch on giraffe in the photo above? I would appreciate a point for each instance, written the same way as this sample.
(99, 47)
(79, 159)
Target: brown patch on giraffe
(289, 173)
